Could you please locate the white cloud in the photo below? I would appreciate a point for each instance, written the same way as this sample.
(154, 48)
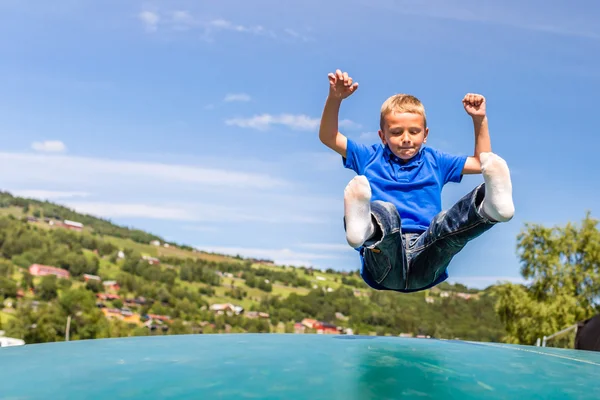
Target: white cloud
(150, 20)
(329, 247)
(279, 256)
(296, 35)
(48, 194)
(47, 169)
(151, 190)
(237, 97)
(365, 136)
(131, 210)
(294, 121)
(49, 146)
(197, 212)
(264, 121)
(184, 20)
(222, 24)
(348, 124)
(195, 228)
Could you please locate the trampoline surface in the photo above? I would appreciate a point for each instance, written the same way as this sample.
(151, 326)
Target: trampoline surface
(276, 366)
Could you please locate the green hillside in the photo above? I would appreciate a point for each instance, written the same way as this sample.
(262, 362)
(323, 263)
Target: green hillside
(120, 285)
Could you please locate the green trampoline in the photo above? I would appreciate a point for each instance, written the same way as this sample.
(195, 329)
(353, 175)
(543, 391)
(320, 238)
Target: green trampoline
(277, 366)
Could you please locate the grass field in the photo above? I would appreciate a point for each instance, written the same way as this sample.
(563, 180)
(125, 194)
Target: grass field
(15, 211)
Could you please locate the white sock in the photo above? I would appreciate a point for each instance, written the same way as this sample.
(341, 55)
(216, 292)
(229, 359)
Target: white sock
(357, 211)
(497, 203)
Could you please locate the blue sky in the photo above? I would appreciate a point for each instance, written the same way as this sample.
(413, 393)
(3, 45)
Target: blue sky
(197, 120)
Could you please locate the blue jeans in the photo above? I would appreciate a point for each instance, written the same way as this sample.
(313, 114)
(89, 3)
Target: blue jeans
(414, 261)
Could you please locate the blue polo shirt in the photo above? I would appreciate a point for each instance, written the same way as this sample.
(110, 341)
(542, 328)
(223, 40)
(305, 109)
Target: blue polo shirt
(414, 187)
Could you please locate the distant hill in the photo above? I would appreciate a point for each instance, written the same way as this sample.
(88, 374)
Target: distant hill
(46, 209)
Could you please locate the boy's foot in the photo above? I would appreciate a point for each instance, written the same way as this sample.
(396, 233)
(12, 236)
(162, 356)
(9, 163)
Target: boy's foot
(498, 203)
(357, 211)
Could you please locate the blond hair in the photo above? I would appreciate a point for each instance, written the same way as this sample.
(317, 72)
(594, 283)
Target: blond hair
(401, 103)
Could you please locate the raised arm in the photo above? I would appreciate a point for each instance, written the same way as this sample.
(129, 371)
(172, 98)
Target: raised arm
(340, 87)
(475, 106)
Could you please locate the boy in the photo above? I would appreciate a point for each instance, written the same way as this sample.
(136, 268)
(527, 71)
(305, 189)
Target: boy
(392, 209)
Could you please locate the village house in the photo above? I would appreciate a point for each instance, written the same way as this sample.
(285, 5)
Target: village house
(157, 317)
(299, 328)
(73, 225)
(151, 260)
(111, 285)
(320, 327)
(466, 296)
(138, 301)
(107, 296)
(256, 314)
(88, 277)
(227, 308)
(43, 270)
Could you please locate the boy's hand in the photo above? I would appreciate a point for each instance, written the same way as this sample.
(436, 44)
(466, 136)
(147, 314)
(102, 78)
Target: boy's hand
(474, 105)
(340, 85)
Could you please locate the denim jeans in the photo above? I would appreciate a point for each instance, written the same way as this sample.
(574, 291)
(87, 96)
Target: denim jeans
(413, 261)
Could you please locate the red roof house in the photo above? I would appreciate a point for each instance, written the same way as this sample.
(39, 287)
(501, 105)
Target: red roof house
(42, 270)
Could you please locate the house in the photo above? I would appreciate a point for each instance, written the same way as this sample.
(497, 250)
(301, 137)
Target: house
(326, 328)
(465, 296)
(111, 285)
(107, 296)
(256, 314)
(162, 318)
(76, 226)
(151, 260)
(154, 325)
(139, 301)
(320, 326)
(155, 243)
(227, 308)
(88, 277)
(43, 270)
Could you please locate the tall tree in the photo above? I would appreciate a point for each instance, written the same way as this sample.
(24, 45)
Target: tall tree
(563, 266)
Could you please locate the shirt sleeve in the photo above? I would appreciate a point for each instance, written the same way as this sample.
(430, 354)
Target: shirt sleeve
(357, 156)
(451, 166)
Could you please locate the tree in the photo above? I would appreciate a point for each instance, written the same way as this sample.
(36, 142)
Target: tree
(563, 264)
(48, 288)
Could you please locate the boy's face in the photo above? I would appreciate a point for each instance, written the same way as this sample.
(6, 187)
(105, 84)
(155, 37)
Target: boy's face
(404, 133)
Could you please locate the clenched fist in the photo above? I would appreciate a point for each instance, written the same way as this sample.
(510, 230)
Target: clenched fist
(474, 104)
(340, 85)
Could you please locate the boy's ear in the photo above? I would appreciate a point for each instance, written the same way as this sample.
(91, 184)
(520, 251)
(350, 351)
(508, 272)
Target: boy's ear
(381, 136)
(426, 134)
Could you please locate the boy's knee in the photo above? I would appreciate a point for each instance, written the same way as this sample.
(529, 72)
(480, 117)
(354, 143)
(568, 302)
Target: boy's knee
(386, 206)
